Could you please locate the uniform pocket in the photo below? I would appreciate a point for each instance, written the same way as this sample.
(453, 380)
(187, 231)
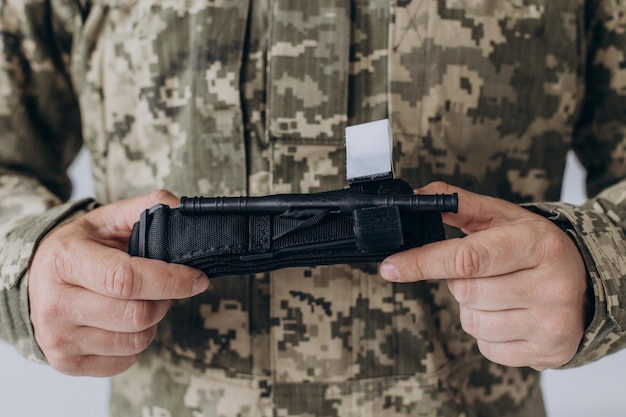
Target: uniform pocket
(161, 89)
(308, 63)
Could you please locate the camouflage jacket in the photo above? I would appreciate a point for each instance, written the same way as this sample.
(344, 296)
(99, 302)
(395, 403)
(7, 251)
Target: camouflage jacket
(251, 97)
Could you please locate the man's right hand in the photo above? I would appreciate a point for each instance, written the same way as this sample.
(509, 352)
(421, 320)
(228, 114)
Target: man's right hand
(94, 308)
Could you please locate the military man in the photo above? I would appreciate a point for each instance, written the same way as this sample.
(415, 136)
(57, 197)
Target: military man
(251, 98)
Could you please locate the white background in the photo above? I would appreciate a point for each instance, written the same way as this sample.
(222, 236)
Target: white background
(28, 389)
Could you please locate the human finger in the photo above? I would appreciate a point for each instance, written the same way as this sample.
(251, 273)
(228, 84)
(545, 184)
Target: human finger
(497, 326)
(112, 314)
(492, 252)
(543, 327)
(476, 212)
(84, 341)
(92, 365)
(116, 220)
(518, 353)
(503, 292)
(92, 341)
(113, 273)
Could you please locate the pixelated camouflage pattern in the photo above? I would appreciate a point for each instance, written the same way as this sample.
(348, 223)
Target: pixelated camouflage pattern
(599, 240)
(230, 97)
(33, 156)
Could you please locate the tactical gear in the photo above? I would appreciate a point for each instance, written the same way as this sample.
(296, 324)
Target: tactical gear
(253, 240)
(251, 98)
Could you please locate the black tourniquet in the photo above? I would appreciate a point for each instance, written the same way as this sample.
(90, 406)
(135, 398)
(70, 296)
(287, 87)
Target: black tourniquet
(242, 243)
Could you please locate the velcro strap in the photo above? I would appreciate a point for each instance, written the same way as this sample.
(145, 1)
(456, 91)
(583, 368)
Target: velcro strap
(378, 229)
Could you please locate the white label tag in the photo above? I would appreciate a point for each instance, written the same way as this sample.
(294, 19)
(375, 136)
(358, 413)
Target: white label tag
(369, 151)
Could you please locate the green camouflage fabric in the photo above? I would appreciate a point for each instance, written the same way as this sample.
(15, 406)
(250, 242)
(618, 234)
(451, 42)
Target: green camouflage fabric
(251, 97)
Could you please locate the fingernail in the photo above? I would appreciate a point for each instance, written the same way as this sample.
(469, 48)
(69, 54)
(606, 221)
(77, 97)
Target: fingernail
(389, 272)
(200, 284)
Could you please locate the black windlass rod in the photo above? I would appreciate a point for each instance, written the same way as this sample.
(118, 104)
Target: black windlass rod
(337, 202)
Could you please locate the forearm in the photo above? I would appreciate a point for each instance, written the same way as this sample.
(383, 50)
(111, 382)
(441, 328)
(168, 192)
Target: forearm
(27, 214)
(39, 137)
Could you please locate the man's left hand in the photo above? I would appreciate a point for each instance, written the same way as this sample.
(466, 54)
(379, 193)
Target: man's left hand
(520, 281)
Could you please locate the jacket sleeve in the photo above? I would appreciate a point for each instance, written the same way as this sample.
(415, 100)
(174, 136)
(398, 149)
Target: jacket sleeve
(599, 141)
(39, 138)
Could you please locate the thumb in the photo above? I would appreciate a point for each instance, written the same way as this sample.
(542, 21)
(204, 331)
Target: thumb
(476, 212)
(116, 220)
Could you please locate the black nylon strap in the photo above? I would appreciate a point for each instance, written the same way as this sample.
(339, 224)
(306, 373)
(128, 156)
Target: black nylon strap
(378, 229)
(259, 239)
(232, 244)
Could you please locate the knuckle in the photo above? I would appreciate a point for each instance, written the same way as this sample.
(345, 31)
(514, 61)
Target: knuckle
(559, 327)
(50, 261)
(487, 350)
(171, 287)
(554, 245)
(465, 291)
(125, 350)
(145, 338)
(61, 364)
(118, 281)
(560, 339)
(175, 285)
(71, 366)
(51, 342)
(116, 366)
(468, 321)
(468, 261)
(59, 357)
(552, 359)
(559, 358)
(499, 354)
(45, 319)
(160, 196)
(139, 341)
(59, 264)
(439, 187)
(46, 312)
(139, 314)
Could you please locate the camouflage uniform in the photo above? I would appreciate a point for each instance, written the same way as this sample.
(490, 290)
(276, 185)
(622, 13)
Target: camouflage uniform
(251, 97)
